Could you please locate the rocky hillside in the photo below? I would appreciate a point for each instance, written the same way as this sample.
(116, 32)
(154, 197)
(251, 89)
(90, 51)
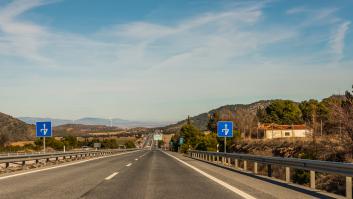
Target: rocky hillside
(237, 112)
(12, 129)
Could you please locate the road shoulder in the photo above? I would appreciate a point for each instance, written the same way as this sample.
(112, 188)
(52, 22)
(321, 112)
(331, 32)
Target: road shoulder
(258, 186)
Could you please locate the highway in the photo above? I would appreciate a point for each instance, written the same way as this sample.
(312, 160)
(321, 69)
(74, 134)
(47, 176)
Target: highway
(143, 174)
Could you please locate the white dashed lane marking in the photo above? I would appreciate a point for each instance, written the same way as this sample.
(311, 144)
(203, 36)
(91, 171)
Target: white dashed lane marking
(111, 176)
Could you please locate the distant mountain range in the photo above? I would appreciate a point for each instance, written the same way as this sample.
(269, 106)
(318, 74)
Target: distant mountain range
(96, 121)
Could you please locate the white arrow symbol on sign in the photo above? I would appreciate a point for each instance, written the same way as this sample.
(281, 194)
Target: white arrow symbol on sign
(225, 130)
(44, 130)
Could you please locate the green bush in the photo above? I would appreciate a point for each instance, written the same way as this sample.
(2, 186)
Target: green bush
(130, 144)
(301, 176)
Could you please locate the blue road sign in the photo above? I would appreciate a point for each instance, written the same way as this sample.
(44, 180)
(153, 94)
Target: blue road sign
(225, 129)
(43, 129)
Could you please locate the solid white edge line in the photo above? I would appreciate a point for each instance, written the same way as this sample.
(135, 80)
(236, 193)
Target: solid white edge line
(64, 165)
(224, 184)
(129, 164)
(111, 176)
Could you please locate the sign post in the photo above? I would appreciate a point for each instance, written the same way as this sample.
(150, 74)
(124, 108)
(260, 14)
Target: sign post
(43, 129)
(225, 129)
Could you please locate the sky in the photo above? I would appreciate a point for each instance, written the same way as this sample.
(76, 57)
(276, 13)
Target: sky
(161, 60)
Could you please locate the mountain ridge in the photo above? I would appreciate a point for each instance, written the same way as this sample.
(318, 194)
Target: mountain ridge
(117, 122)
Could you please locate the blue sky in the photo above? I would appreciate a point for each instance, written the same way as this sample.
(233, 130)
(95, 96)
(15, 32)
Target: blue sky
(162, 60)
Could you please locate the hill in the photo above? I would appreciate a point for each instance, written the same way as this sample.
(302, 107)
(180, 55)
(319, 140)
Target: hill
(240, 113)
(12, 129)
(55, 122)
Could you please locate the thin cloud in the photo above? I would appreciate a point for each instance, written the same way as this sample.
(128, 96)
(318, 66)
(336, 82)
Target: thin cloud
(21, 38)
(337, 40)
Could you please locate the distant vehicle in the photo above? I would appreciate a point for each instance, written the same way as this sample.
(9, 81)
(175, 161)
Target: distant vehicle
(86, 148)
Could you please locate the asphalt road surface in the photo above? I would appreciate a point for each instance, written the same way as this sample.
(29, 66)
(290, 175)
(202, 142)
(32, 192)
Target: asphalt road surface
(142, 174)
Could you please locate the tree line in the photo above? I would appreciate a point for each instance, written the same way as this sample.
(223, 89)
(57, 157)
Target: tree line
(70, 142)
(333, 115)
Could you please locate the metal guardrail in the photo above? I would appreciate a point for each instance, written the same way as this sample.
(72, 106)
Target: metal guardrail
(47, 156)
(337, 168)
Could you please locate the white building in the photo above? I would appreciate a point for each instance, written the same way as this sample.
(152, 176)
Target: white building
(272, 131)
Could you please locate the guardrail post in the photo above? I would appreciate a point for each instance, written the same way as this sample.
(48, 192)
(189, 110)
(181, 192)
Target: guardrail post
(236, 163)
(269, 170)
(24, 164)
(255, 167)
(245, 165)
(287, 174)
(7, 164)
(213, 158)
(229, 162)
(312, 179)
(349, 187)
